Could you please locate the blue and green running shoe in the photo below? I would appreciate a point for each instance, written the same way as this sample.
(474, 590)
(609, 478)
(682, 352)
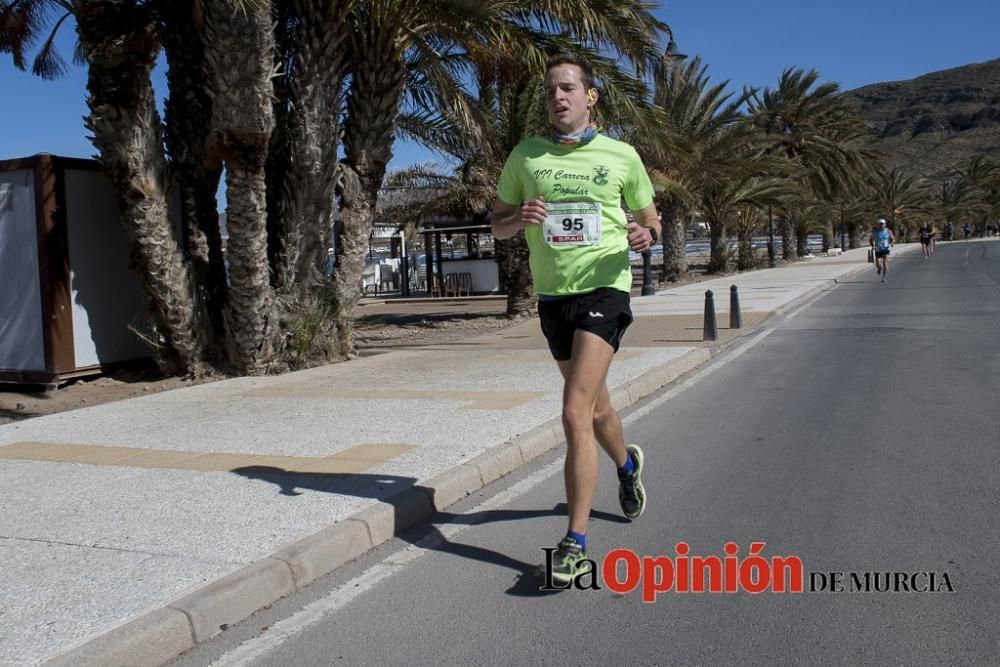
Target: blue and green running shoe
(568, 561)
(631, 494)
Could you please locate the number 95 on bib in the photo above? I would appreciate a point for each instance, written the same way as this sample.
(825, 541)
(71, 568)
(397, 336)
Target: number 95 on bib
(569, 223)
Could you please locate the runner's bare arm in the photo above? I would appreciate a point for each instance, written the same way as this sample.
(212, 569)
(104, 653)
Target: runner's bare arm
(506, 220)
(639, 236)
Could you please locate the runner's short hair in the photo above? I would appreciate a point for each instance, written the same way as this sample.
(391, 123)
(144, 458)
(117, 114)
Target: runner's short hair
(586, 70)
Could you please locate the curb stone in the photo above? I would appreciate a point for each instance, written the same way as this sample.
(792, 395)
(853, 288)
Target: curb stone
(450, 486)
(151, 639)
(386, 518)
(323, 551)
(161, 635)
(227, 601)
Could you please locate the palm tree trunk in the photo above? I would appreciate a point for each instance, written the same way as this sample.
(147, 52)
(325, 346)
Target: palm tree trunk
(854, 236)
(512, 257)
(377, 82)
(120, 43)
(801, 244)
(239, 53)
(789, 243)
(251, 298)
(674, 242)
(745, 255)
(302, 164)
(188, 118)
(719, 253)
(357, 217)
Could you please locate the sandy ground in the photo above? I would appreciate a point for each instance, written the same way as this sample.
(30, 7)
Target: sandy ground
(381, 323)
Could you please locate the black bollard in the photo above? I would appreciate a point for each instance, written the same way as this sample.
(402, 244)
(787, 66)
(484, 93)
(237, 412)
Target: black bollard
(735, 319)
(709, 331)
(647, 274)
(871, 256)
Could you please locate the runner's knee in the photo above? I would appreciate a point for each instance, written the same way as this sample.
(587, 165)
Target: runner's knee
(577, 414)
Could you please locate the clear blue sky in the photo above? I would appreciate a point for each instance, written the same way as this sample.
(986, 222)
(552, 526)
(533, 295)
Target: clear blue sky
(854, 42)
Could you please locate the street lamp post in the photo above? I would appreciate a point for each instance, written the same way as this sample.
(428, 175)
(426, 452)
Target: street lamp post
(670, 55)
(771, 262)
(843, 230)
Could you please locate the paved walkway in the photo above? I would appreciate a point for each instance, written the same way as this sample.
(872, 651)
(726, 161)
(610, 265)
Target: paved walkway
(130, 531)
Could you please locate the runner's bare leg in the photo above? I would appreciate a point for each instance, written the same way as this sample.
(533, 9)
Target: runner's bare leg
(585, 377)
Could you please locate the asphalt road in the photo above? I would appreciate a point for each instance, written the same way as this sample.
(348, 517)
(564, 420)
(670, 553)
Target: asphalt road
(860, 435)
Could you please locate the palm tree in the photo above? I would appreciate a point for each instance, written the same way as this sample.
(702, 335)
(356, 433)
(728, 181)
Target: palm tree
(901, 199)
(954, 203)
(747, 221)
(203, 317)
(187, 122)
(695, 115)
(818, 131)
(508, 109)
(488, 41)
(238, 54)
(982, 177)
(719, 200)
(120, 43)
(311, 38)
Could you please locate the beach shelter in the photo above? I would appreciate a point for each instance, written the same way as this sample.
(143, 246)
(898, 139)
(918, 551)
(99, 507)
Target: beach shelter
(67, 297)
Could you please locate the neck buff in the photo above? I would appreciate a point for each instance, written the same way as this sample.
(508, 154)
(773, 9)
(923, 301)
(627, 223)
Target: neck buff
(583, 136)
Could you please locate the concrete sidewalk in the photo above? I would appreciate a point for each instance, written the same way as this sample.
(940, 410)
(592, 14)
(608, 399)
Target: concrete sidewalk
(131, 531)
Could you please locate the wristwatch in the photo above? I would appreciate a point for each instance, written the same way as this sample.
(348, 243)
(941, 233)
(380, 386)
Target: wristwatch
(652, 232)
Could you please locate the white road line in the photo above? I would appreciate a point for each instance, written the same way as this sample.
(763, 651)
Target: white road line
(313, 613)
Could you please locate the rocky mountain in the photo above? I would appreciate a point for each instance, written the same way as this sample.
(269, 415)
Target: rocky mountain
(935, 123)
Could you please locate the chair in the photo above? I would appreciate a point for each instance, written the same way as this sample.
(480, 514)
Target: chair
(368, 279)
(421, 281)
(437, 287)
(386, 277)
(456, 283)
(465, 284)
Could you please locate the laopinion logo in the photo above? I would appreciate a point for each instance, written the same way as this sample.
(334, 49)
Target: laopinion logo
(623, 571)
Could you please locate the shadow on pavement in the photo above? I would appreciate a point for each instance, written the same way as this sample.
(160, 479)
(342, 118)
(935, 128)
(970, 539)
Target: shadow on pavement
(426, 534)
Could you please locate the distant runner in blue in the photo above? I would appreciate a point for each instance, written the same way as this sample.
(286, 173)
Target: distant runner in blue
(882, 241)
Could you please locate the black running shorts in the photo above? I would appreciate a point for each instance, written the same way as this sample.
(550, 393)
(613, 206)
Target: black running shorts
(604, 312)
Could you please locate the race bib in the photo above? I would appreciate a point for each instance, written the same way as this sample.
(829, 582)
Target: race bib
(572, 223)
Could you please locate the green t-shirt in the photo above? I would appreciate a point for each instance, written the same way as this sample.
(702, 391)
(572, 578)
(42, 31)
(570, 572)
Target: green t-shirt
(604, 171)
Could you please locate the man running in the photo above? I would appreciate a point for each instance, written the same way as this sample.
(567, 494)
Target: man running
(926, 236)
(565, 191)
(881, 241)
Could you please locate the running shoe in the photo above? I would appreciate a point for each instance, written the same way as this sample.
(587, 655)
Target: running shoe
(568, 561)
(631, 494)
